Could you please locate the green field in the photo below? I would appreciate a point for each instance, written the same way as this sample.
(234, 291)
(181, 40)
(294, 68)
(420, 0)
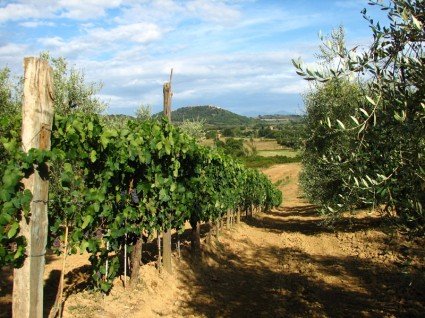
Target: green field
(279, 152)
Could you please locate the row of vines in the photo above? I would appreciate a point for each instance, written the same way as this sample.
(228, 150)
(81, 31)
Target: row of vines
(110, 188)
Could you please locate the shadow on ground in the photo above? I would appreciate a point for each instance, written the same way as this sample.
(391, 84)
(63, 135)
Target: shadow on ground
(308, 222)
(233, 289)
(286, 282)
(275, 282)
(78, 279)
(6, 288)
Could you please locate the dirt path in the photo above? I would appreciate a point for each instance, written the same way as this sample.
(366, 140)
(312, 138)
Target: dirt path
(285, 264)
(280, 264)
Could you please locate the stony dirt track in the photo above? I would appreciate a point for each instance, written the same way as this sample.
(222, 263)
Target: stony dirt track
(284, 263)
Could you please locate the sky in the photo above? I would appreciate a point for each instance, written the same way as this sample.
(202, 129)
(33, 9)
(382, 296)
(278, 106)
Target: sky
(232, 54)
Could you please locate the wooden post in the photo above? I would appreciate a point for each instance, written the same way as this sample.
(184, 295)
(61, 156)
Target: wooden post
(107, 261)
(37, 118)
(217, 228)
(136, 256)
(178, 246)
(210, 232)
(159, 252)
(168, 94)
(57, 307)
(196, 237)
(166, 238)
(125, 261)
(228, 219)
(166, 251)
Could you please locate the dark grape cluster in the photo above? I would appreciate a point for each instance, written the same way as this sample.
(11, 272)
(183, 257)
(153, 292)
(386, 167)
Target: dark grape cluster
(134, 196)
(99, 234)
(57, 242)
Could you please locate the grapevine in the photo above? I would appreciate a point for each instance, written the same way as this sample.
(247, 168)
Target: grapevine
(110, 186)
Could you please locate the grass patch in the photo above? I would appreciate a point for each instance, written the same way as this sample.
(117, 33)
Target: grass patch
(265, 162)
(282, 182)
(279, 152)
(262, 144)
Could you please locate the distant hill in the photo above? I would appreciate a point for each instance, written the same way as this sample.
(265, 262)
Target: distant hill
(212, 115)
(278, 118)
(118, 117)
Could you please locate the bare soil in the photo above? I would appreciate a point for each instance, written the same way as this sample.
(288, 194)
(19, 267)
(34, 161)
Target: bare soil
(285, 263)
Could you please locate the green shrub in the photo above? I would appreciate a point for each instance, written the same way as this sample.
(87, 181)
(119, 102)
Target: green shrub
(320, 180)
(265, 162)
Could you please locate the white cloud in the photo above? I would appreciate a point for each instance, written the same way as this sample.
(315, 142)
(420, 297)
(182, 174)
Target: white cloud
(199, 79)
(55, 41)
(88, 9)
(45, 9)
(115, 99)
(295, 87)
(12, 49)
(98, 41)
(21, 11)
(12, 55)
(222, 51)
(62, 47)
(172, 12)
(35, 24)
(136, 32)
(189, 93)
(163, 12)
(214, 11)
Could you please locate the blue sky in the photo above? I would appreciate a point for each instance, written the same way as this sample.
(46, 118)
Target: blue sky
(233, 54)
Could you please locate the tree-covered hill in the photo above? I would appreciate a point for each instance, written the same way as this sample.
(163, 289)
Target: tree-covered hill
(212, 115)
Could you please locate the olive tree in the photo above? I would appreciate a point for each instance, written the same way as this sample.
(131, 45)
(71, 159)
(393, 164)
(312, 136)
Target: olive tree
(325, 103)
(193, 128)
(9, 110)
(10, 93)
(72, 91)
(385, 166)
(144, 112)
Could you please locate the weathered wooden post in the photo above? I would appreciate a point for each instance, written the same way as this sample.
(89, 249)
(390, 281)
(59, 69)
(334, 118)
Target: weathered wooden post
(210, 233)
(158, 239)
(195, 237)
(37, 118)
(136, 253)
(228, 219)
(136, 257)
(217, 228)
(168, 94)
(166, 238)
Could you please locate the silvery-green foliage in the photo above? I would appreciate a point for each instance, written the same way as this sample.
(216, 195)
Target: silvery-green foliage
(387, 158)
(144, 112)
(193, 128)
(72, 91)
